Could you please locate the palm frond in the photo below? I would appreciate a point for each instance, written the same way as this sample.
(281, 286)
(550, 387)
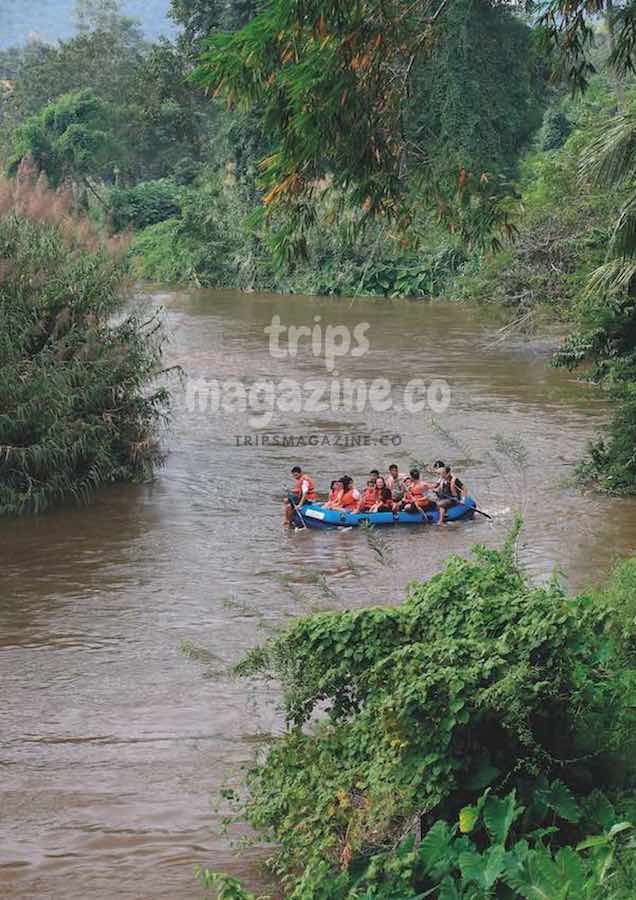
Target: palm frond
(611, 158)
(612, 277)
(623, 241)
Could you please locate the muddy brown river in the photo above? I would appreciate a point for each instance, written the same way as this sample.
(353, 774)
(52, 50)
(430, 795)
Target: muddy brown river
(119, 723)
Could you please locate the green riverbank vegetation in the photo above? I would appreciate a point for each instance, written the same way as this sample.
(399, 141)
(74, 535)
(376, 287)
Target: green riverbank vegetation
(475, 742)
(76, 408)
(403, 152)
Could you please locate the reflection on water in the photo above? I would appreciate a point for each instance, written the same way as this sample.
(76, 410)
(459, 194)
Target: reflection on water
(118, 621)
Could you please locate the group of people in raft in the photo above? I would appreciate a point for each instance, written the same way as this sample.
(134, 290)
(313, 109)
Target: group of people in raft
(394, 492)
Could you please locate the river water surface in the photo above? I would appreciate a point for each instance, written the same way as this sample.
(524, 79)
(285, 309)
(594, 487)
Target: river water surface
(118, 722)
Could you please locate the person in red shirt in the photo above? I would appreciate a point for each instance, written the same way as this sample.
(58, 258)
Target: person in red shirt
(304, 491)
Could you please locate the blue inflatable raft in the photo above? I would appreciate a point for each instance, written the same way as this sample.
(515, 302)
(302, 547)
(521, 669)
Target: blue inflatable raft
(314, 515)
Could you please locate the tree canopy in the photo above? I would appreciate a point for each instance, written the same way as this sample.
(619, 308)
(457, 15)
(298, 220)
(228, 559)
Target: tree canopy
(336, 84)
(68, 139)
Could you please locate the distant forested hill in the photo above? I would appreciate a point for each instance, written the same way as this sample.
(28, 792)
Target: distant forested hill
(52, 19)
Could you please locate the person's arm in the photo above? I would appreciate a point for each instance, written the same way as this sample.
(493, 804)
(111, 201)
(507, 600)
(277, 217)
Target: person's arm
(304, 488)
(336, 504)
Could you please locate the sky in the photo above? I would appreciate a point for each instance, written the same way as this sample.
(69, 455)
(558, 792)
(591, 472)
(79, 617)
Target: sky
(52, 19)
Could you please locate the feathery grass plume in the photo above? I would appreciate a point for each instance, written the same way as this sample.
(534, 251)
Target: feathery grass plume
(320, 581)
(377, 544)
(76, 407)
(352, 566)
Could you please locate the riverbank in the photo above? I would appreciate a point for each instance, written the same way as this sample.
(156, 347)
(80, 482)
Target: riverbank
(563, 226)
(475, 740)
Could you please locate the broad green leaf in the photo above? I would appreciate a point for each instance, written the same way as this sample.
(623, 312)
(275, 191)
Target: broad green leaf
(599, 810)
(547, 871)
(473, 867)
(597, 840)
(484, 776)
(561, 799)
(467, 818)
(435, 845)
(618, 828)
(572, 871)
(494, 866)
(538, 878)
(499, 814)
(448, 890)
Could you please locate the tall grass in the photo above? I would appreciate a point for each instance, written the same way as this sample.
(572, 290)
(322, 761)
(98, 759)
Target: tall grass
(76, 411)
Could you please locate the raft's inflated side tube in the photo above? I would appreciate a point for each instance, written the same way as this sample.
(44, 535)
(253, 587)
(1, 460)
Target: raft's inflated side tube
(316, 516)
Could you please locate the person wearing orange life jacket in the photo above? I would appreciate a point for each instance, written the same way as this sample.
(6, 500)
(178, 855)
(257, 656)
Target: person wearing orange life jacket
(385, 503)
(415, 496)
(335, 493)
(350, 495)
(304, 491)
(369, 497)
(381, 493)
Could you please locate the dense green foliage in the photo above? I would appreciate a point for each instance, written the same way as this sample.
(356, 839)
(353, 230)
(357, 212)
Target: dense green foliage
(476, 100)
(484, 713)
(393, 141)
(66, 140)
(76, 411)
(144, 204)
(574, 258)
(213, 241)
(153, 117)
(333, 85)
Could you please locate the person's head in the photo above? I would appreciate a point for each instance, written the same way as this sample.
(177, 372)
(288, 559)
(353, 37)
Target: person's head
(380, 483)
(371, 483)
(393, 470)
(297, 472)
(332, 485)
(438, 465)
(415, 474)
(386, 494)
(408, 480)
(447, 470)
(374, 473)
(346, 482)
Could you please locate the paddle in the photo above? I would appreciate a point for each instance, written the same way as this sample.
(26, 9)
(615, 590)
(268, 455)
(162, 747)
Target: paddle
(300, 515)
(480, 511)
(474, 508)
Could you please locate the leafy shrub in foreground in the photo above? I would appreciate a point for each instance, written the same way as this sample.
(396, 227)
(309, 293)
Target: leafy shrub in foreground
(75, 408)
(477, 681)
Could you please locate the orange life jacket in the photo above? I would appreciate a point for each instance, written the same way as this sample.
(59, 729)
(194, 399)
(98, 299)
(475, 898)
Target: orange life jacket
(349, 500)
(334, 495)
(369, 497)
(311, 490)
(415, 494)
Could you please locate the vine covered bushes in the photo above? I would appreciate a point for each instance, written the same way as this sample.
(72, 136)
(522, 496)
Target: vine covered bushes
(75, 409)
(483, 715)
